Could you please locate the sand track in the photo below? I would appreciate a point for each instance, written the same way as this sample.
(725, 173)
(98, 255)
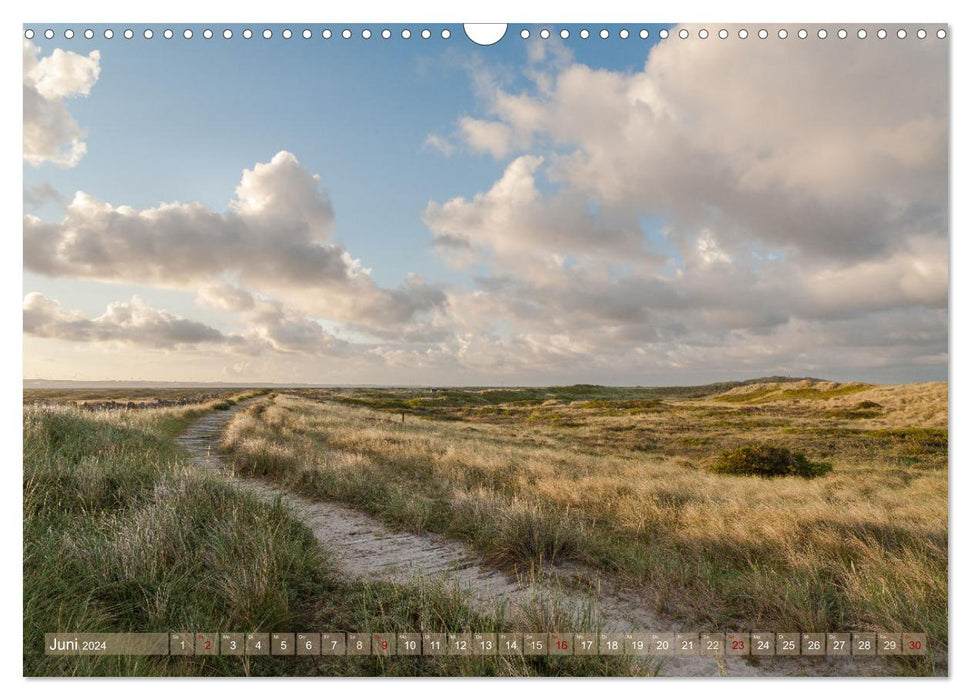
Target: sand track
(364, 547)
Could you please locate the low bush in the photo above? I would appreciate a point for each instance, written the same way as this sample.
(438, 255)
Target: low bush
(767, 461)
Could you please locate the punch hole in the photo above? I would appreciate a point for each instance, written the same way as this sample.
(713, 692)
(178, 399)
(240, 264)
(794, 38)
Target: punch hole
(803, 34)
(366, 34)
(544, 34)
(326, 34)
(702, 33)
(148, 34)
(385, 33)
(446, 33)
(426, 34)
(187, 34)
(643, 34)
(763, 34)
(901, 33)
(564, 33)
(227, 34)
(743, 33)
(29, 34)
(168, 34)
(783, 34)
(287, 33)
(822, 34)
(881, 34)
(489, 34)
(841, 34)
(663, 33)
(921, 34)
(89, 34)
(524, 34)
(109, 34)
(68, 33)
(624, 33)
(405, 33)
(49, 34)
(861, 33)
(723, 34)
(584, 33)
(129, 34)
(941, 34)
(347, 33)
(306, 34)
(267, 34)
(207, 34)
(247, 33)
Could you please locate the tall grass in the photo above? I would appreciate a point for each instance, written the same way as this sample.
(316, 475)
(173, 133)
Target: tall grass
(862, 548)
(122, 534)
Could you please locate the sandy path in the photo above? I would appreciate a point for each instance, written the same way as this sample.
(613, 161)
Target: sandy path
(364, 547)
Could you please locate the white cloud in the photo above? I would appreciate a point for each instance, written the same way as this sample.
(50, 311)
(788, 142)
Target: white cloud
(131, 322)
(274, 238)
(51, 134)
(514, 224)
(494, 138)
(730, 205)
(776, 142)
(268, 327)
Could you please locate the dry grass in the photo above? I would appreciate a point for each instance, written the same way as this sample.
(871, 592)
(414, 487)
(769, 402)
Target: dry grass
(624, 488)
(122, 534)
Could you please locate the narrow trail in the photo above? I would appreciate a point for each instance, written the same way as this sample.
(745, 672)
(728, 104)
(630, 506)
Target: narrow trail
(364, 547)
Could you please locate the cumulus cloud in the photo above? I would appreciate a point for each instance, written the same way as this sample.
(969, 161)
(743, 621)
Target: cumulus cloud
(285, 330)
(268, 327)
(820, 151)
(275, 237)
(516, 224)
(131, 322)
(51, 134)
(716, 208)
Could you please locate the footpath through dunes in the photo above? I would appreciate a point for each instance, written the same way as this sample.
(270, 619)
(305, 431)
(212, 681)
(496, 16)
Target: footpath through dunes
(365, 548)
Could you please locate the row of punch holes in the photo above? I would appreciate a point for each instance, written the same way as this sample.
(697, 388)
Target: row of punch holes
(446, 33)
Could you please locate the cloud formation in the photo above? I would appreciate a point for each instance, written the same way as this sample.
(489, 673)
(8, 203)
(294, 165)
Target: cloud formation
(275, 238)
(268, 327)
(132, 323)
(728, 209)
(51, 134)
(724, 201)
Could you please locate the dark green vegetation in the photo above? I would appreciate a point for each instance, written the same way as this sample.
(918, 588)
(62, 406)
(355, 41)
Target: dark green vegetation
(768, 461)
(120, 534)
(431, 402)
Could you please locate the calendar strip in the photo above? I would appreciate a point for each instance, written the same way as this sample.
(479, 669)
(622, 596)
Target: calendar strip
(488, 644)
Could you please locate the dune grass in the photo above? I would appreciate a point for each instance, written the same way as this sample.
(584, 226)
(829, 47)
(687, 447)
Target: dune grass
(863, 547)
(122, 534)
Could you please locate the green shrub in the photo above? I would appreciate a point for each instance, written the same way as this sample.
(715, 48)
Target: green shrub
(767, 461)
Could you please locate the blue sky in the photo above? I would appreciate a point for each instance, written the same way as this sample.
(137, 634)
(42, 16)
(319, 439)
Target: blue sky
(177, 120)
(574, 210)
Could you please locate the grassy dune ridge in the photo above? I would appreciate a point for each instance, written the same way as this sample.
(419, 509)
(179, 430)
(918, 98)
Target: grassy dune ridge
(625, 488)
(122, 534)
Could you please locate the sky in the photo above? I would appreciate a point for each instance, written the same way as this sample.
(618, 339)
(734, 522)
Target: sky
(429, 211)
